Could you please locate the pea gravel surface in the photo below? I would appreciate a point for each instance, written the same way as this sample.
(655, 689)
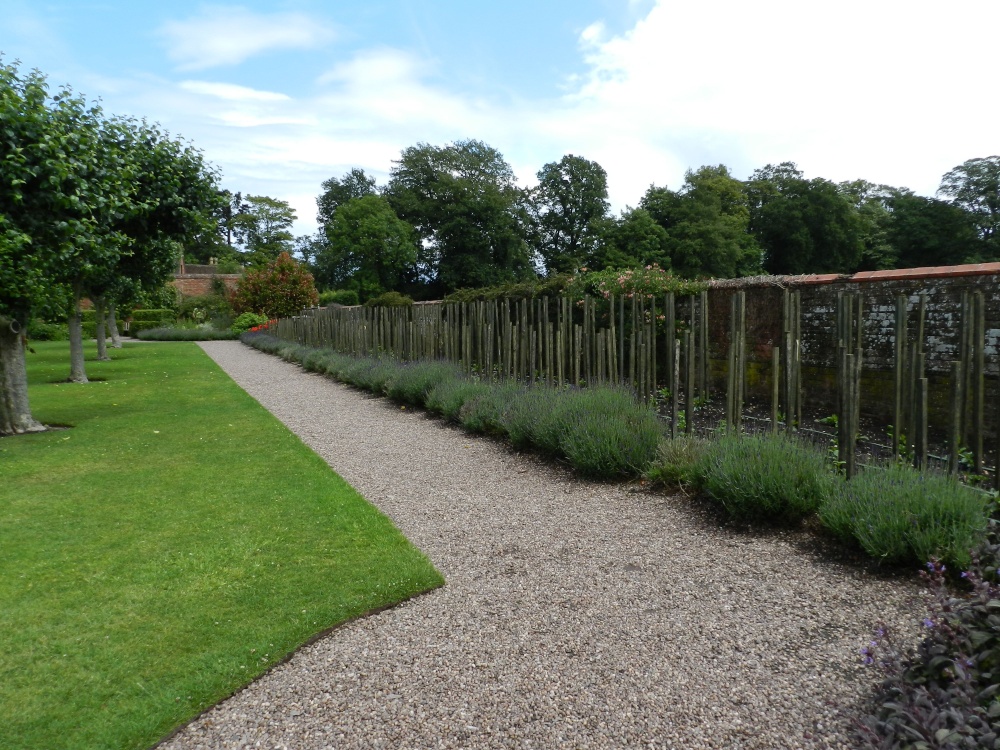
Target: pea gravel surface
(575, 614)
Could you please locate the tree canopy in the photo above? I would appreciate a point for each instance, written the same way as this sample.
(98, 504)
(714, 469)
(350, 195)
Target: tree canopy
(339, 190)
(803, 226)
(706, 222)
(567, 208)
(464, 202)
(368, 249)
(974, 186)
(263, 228)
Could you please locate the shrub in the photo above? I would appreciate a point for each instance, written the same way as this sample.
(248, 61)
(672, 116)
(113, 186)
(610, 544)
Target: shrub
(413, 380)
(946, 693)
(160, 315)
(607, 433)
(370, 374)
(521, 413)
(246, 321)
(764, 478)
(448, 397)
(346, 297)
(186, 334)
(280, 290)
(315, 360)
(484, 413)
(602, 432)
(678, 461)
(39, 330)
(901, 515)
(390, 299)
(203, 308)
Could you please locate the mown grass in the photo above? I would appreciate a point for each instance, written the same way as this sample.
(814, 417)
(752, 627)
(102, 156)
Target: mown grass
(168, 549)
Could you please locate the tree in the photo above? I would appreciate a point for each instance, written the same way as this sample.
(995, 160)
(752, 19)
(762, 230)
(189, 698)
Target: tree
(707, 224)
(336, 192)
(468, 212)
(53, 190)
(368, 249)
(264, 229)
(974, 186)
(176, 201)
(164, 197)
(633, 239)
(567, 208)
(279, 290)
(871, 202)
(216, 242)
(803, 226)
(930, 232)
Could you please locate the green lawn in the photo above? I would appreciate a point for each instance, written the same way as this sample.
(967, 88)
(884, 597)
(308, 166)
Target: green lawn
(167, 549)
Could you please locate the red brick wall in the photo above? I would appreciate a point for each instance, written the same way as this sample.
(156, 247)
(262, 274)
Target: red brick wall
(198, 284)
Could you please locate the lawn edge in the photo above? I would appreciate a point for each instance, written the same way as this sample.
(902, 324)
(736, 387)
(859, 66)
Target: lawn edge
(288, 657)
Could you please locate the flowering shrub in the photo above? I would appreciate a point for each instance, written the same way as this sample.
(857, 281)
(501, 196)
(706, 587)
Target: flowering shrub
(280, 290)
(944, 695)
(650, 282)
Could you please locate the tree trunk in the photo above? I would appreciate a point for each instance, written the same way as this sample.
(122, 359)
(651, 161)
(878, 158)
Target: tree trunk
(77, 372)
(15, 413)
(102, 339)
(116, 337)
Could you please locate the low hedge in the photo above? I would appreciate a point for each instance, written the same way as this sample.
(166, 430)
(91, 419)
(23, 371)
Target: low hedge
(186, 334)
(602, 432)
(153, 315)
(605, 432)
(764, 477)
(346, 297)
(903, 516)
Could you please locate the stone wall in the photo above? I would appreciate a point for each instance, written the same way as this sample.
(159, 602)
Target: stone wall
(943, 288)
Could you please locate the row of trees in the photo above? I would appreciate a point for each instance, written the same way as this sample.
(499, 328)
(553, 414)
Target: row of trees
(90, 206)
(453, 216)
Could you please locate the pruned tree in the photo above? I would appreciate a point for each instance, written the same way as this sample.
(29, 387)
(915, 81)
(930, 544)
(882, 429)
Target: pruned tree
(59, 184)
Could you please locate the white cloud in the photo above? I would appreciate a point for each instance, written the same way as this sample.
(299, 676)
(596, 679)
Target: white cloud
(879, 89)
(228, 35)
(872, 89)
(232, 92)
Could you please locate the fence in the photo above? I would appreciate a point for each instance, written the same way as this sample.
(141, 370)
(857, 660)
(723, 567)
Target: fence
(663, 348)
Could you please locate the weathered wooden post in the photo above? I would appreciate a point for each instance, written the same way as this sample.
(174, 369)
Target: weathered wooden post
(775, 389)
(957, 403)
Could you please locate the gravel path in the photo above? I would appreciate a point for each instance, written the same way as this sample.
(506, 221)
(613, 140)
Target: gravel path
(575, 614)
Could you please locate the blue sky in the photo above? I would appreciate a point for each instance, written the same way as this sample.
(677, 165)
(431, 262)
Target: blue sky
(282, 95)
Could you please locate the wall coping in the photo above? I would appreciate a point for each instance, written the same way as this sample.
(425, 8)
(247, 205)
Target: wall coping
(896, 274)
(208, 276)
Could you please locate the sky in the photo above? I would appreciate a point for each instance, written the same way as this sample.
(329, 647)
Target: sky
(283, 95)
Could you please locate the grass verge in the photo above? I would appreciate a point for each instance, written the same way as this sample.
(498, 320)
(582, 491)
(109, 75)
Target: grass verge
(173, 545)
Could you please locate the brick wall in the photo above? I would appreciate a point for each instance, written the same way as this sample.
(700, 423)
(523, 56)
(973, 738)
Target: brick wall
(197, 284)
(943, 287)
